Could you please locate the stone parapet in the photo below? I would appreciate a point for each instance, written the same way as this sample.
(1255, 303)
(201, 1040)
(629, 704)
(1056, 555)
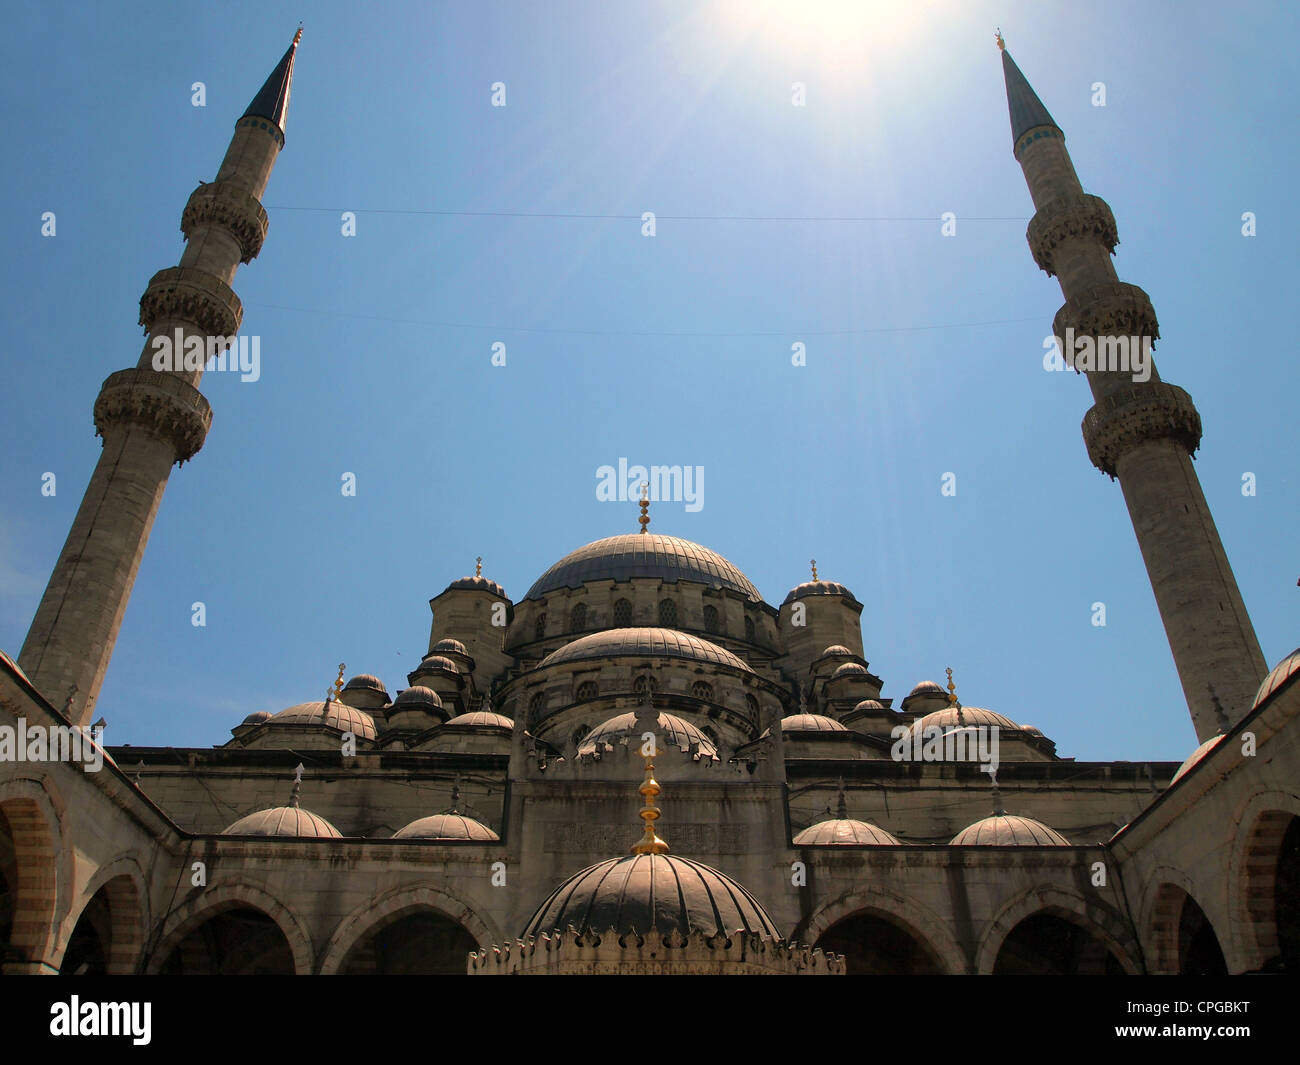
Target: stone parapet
(1108, 309)
(1067, 217)
(1126, 417)
(161, 403)
(221, 203)
(185, 294)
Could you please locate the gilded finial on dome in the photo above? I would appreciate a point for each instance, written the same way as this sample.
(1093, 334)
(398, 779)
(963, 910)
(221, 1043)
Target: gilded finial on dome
(952, 690)
(478, 566)
(1002, 45)
(337, 689)
(645, 505)
(650, 843)
(813, 563)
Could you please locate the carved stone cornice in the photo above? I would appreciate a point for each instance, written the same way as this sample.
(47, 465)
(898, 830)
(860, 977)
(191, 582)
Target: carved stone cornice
(1108, 309)
(220, 203)
(1069, 216)
(1151, 410)
(182, 293)
(161, 403)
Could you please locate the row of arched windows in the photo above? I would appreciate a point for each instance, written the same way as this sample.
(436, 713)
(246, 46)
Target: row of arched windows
(623, 619)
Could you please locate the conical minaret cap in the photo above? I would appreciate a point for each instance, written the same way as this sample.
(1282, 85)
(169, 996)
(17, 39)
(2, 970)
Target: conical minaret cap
(272, 100)
(1027, 110)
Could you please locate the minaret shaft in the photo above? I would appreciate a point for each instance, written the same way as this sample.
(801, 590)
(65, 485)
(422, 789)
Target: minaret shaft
(1142, 433)
(153, 416)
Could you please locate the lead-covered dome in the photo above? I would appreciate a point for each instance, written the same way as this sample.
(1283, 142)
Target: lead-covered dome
(632, 555)
(1009, 830)
(672, 730)
(651, 892)
(811, 723)
(953, 717)
(447, 826)
(803, 591)
(1196, 756)
(333, 714)
(283, 821)
(843, 832)
(658, 643)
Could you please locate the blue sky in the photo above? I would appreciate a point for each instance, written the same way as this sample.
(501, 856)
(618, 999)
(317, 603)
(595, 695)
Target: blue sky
(924, 352)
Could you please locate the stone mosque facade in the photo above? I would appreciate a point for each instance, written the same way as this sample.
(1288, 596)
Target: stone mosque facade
(481, 817)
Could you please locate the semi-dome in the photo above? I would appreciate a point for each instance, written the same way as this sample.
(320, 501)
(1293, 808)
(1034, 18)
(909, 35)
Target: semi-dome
(672, 730)
(365, 682)
(849, 669)
(283, 821)
(803, 591)
(659, 643)
(416, 697)
(483, 719)
(1193, 758)
(810, 723)
(1009, 830)
(843, 832)
(951, 717)
(447, 826)
(651, 892)
(333, 714)
(633, 555)
(1277, 676)
(444, 646)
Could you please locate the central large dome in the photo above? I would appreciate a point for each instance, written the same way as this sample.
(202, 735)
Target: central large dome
(620, 558)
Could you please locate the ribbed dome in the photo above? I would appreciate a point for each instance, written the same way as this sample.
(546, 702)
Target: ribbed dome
(843, 832)
(483, 719)
(926, 687)
(443, 646)
(1008, 830)
(660, 643)
(837, 651)
(446, 826)
(257, 717)
(1277, 677)
(437, 664)
(416, 697)
(810, 723)
(478, 584)
(651, 892)
(1200, 752)
(632, 555)
(949, 718)
(282, 821)
(672, 731)
(849, 669)
(802, 591)
(366, 682)
(334, 714)
(869, 704)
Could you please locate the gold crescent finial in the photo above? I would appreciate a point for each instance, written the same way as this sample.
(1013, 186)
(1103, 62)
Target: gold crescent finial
(337, 690)
(478, 566)
(813, 563)
(952, 689)
(1002, 45)
(645, 505)
(650, 843)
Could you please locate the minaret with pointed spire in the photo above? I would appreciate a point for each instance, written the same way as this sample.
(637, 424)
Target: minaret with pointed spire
(1141, 432)
(151, 418)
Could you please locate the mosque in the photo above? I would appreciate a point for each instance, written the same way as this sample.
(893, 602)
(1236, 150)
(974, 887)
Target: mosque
(480, 816)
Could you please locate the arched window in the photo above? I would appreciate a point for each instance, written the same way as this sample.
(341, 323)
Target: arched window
(579, 734)
(578, 618)
(622, 614)
(711, 621)
(645, 683)
(752, 705)
(667, 614)
(539, 626)
(702, 690)
(749, 629)
(586, 690)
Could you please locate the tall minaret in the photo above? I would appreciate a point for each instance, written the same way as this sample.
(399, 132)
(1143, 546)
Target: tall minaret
(149, 418)
(1143, 433)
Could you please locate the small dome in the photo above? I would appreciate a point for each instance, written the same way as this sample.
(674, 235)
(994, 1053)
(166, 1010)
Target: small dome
(849, 669)
(333, 714)
(443, 646)
(366, 682)
(843, 832)
(437, 664)
(257, 717)
(283, 821)
(810, 723)
(1008, 830)
(672, 730)
(1277, 676)
(952, 717)
(926, 687)
(658, 643)
(477, 584)
(446, 826)
(416, 698)
(1031, 730)
(483, 719)
(651, 892)
(869, 704)
(802, 591)
(1193, 758)
(837, 651)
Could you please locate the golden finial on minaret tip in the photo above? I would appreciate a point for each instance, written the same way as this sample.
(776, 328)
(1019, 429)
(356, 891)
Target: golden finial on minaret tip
(952, 689)
(337, 690)
(645, 505)
(1002, 45)
(297, 36)
(650, 843)
(813, 562)
(478, 566)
